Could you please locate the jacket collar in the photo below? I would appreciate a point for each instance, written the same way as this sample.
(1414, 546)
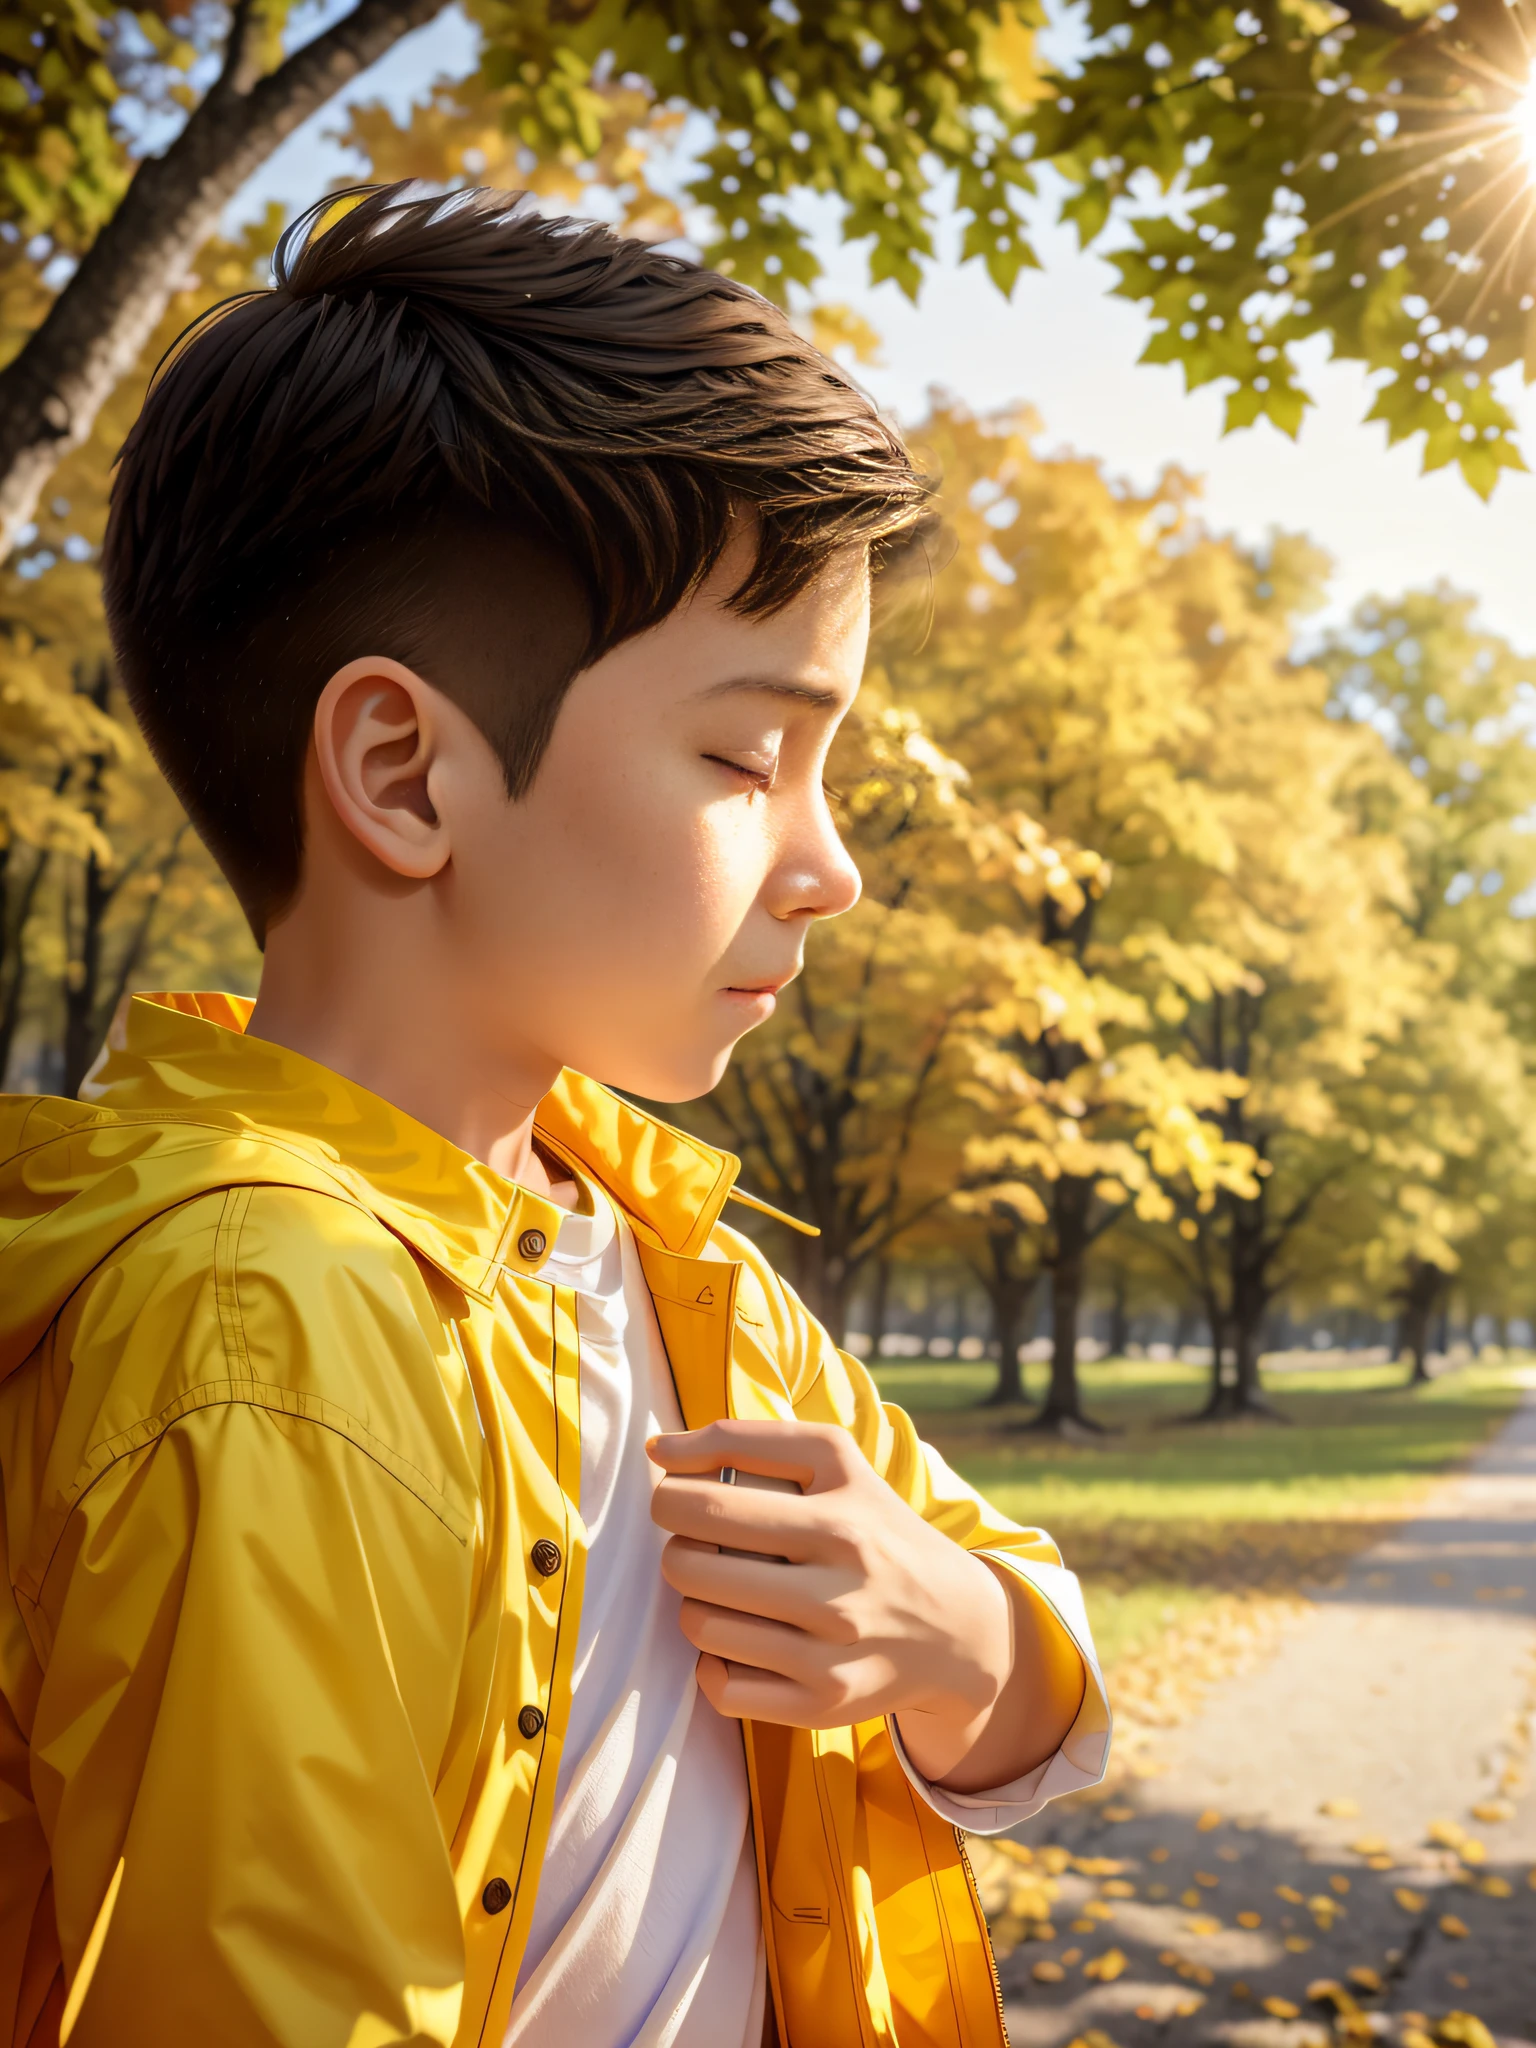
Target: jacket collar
(186, 1058)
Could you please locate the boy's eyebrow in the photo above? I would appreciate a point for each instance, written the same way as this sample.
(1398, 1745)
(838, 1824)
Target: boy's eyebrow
(779, 686)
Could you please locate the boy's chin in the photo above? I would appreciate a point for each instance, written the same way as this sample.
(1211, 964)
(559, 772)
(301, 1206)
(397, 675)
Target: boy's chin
(669, 1076)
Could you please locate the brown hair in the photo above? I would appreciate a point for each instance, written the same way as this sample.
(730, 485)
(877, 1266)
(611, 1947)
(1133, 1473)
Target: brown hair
(486, 443)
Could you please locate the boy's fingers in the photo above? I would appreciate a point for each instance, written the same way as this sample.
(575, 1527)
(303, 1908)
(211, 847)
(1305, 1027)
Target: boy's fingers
(805, 1451)
(748, 1695)
(748, 1639)
(736, 1517)
(797, 1596)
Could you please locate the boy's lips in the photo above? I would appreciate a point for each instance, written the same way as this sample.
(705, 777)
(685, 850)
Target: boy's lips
(757, 991)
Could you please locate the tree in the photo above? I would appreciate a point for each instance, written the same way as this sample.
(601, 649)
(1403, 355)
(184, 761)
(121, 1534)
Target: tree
(1057, 672)
(1290, 168)
(1287, 969)
(1454, 1105)
(101, 883)
(876, 103)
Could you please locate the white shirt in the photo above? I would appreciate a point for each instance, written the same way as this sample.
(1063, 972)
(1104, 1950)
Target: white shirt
(646, 1930)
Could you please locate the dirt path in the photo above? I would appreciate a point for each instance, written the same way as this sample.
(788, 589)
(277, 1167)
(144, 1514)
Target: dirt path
(1358, 1802)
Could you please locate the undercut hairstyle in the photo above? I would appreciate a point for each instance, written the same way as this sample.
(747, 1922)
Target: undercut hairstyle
(483, 443)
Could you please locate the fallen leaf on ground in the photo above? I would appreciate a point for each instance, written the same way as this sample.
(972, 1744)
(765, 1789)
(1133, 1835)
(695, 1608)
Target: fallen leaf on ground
(1282, 2009)
(1188, 2005)
(1456, 1929)
(1370, 1845)
(1456, 1979)
(1250, 1919)
(1338, 1883)
(1094, 2038)
(1119, 1813)
(1203, 1924)
(1117, 1888)
(1208, 1820)
(1441, 1579)
(1364, 1978)
(1208, 1878)
(1291, 1896)
(1465, 2030)
(1493, 1810)
(1047, 1972)
(1341, 1809)
(1410, 1901)
(1495, 1887)
(1189, 1898)
(1472, 1851)
(1097, 1910)
(1238, 1989)
(1449, 1834)
(1071, 1955)
(1107, 1967)
(1298, 1944)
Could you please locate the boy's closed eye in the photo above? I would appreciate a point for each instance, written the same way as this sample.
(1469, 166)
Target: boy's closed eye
(757, 770)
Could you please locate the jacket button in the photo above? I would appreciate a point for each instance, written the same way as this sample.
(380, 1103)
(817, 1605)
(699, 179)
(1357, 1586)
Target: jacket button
(497, 1895)
(530, 1721)
(532, 1244)
(546, 1557)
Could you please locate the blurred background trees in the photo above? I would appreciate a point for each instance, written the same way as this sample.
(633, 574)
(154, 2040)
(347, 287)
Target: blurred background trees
(1192, 997)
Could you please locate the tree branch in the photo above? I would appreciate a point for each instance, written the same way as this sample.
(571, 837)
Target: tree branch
(97, 327)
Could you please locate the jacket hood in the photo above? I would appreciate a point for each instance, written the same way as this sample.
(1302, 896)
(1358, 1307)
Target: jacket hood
(181, 1102)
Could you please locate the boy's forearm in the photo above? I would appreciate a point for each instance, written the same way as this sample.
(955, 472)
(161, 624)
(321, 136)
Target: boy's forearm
(1038, 1700)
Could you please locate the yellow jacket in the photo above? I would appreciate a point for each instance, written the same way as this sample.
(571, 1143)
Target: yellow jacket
(283, 1417)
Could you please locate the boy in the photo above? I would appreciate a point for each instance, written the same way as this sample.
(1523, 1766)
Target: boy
(383, 1659)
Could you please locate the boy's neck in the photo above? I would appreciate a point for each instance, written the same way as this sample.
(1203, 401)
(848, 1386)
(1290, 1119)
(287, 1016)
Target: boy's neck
(407, 1052)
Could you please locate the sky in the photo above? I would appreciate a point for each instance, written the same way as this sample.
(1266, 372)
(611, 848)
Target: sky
(1062, 345)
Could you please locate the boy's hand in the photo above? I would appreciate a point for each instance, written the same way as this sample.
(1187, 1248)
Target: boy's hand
(873, 1612)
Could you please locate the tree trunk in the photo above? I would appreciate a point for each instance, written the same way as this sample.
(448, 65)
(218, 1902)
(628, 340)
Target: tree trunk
(1216, 1324)
(96, 328)
(879, 1306)
(1119, 1320)
(1010, 1293)
(1419, 1295)
(1068, 1267)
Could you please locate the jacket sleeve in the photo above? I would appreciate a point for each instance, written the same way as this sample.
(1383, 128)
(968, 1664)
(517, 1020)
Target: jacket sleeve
(256, 1615)
(829, 1385)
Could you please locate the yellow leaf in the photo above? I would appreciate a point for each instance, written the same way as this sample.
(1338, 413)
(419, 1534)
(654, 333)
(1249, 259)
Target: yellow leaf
(1047, 1972)
(1456, 1929)
(1493, 1810)
(1282, 2009)
(1341, 1809)
(1250, 1919)
(1410, 1901)
(1107, 1967)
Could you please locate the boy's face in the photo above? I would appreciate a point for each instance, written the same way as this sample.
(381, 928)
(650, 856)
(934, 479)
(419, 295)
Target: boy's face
(637, 911)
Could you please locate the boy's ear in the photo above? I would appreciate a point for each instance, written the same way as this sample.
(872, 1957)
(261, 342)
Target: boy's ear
(378, 739)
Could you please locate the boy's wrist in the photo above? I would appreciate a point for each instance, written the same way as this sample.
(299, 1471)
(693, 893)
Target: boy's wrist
(941, 1731)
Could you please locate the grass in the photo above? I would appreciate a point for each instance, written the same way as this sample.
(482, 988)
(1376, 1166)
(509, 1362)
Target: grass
(1165, 1513)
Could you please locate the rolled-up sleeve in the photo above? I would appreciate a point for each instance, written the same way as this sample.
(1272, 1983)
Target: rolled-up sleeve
(1080, 1761)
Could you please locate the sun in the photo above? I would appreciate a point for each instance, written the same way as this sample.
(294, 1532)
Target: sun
(1522, 118)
